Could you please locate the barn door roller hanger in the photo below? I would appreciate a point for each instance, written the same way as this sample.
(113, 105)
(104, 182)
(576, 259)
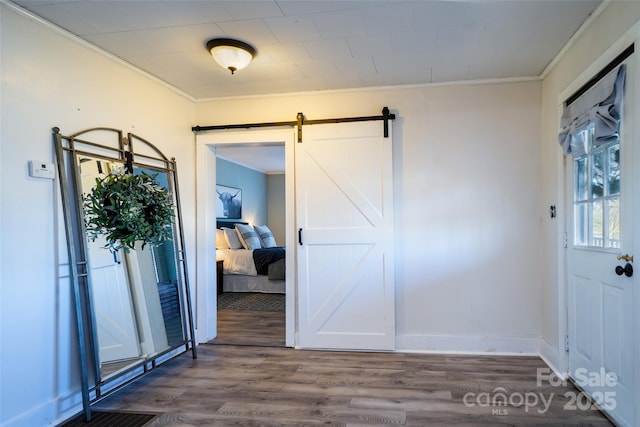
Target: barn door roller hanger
(300, 121)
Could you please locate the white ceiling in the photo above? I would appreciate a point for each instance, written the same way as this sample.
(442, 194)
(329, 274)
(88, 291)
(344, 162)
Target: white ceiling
(265, 159)
(315, 45)
(324, 45)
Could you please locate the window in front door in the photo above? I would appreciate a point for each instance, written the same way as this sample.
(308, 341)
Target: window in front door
(596, 195)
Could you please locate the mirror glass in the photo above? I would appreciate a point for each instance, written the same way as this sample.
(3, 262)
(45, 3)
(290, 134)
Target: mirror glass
(136, 292)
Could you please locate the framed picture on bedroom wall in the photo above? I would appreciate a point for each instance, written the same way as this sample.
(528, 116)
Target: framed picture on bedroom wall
(228, 202)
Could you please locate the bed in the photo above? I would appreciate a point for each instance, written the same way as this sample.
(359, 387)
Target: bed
(252, 263)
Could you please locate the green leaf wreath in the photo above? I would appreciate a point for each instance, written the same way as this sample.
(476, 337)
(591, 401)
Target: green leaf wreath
(126, 209)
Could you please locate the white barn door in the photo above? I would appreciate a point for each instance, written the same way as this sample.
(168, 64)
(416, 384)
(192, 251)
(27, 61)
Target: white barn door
(344, 207)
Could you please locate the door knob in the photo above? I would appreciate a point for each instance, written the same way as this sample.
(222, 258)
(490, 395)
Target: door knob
(627, 270)
(626, 257)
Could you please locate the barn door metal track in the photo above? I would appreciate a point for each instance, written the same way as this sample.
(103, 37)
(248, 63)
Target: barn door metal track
(300, 121)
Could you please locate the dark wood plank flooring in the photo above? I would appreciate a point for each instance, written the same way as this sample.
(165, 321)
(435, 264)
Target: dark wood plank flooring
(254, 385)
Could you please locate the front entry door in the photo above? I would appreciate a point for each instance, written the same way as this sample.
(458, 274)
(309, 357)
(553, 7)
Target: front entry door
(345, 254)
(600, 298)
(116, 327)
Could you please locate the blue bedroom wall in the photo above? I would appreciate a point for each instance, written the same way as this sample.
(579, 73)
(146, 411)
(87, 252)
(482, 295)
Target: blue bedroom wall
(254, 189)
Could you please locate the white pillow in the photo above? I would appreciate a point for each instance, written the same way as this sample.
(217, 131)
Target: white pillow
(221, 241)
(266, 236)
(232, 238)
(248, 236)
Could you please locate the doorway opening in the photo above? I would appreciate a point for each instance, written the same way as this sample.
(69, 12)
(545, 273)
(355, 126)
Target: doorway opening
(275, 211)
(250, 190)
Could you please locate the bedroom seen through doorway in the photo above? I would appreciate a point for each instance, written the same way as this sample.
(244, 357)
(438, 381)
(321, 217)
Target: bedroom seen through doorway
(251, 297)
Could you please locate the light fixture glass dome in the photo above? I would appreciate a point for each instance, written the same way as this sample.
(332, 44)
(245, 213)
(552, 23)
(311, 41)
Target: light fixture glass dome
(231, 54)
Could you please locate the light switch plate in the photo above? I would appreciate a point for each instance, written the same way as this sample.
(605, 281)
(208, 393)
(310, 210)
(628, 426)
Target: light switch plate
(38, 169)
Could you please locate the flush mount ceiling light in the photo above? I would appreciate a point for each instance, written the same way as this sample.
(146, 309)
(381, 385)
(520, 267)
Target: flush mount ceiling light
(231, 54)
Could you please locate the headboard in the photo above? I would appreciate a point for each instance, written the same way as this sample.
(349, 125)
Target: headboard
(228, 223)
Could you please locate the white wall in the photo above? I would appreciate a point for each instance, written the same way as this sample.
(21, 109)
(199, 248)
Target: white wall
(467, 181)
(614, 21)
(49, 80)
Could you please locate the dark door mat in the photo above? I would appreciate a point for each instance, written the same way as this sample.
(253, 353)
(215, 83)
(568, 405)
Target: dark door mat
(251, 301)
(111, 419)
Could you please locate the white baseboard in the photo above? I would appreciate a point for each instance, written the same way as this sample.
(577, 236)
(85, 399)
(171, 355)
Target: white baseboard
(551, 357)
(468, 344)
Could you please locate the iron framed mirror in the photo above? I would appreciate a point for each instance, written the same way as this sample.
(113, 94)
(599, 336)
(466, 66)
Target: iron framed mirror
(133, 305)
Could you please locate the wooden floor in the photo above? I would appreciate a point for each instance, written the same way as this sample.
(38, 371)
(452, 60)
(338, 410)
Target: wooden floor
(265, 384)
(258, 328)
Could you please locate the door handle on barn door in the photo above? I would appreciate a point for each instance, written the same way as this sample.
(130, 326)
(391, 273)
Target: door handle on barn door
(627, 270)
(300, 236)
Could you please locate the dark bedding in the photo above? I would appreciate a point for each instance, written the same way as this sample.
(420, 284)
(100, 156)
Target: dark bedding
(263, 257)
